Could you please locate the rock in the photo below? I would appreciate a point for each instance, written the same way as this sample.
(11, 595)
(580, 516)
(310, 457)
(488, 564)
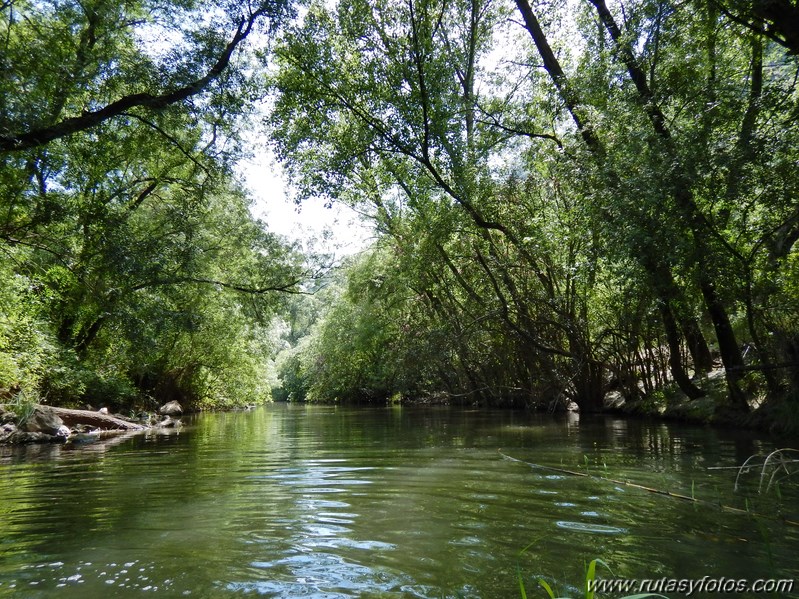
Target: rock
(7, 416)
(614, 400)
(42, 420)
(169, 422)
(6, 430)
(171, 408)
(34, 437)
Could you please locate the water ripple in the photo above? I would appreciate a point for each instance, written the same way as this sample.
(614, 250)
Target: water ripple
(586, 527)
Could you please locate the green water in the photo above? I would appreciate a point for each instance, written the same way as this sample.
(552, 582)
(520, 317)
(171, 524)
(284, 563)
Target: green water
(295, 501)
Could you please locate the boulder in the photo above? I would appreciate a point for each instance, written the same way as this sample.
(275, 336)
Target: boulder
(6, 430)
(43, 420)
(20, 437)
(171, 408)
(169, 422)
(614, 400)
(7, 416)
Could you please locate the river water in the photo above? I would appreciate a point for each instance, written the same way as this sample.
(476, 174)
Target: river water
(329, 502)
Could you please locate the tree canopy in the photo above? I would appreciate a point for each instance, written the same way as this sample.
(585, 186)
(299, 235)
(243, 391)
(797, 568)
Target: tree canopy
(135, 268)
(572, 198)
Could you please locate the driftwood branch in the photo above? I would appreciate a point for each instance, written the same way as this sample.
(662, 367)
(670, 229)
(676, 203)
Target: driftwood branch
(72, 418)
(626, 483)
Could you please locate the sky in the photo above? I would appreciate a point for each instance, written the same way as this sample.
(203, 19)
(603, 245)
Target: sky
(336, 230)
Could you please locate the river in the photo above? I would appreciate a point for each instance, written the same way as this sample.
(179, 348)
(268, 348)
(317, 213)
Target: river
(330, 502)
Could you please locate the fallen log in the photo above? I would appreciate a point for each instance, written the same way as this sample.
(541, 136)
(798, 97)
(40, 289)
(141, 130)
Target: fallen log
(73, 418)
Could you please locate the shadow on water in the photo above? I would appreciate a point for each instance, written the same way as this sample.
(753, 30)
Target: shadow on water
(305, 501)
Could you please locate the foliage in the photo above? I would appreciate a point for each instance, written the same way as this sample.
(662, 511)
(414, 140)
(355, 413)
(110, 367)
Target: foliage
(618, 219)
(135, 270)
(24, 343)
(590, 579)
(600, 200)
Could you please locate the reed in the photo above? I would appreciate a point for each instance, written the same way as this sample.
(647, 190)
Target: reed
(589, 587)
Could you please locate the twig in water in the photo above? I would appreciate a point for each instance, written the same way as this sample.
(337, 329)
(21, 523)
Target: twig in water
(724, 508)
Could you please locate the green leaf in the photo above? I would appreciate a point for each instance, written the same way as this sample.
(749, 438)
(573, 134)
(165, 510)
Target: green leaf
(547, 588)
(590, 576)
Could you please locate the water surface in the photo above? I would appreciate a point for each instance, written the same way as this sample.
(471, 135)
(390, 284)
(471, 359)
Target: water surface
(330, 502)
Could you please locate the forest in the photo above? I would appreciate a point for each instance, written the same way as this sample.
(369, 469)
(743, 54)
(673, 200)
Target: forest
(571, 201)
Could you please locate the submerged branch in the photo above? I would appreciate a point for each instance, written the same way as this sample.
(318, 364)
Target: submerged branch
(724, 508)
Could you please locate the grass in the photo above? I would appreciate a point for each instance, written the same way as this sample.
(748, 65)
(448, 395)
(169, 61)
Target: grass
(776, 466)
(24, 406)
(589, 587)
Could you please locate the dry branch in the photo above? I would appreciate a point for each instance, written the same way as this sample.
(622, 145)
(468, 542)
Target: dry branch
(73, 418)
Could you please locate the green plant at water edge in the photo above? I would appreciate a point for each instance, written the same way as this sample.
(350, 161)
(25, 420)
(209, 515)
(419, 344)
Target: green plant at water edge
(590, 583)
(24, 405)
(776, 466)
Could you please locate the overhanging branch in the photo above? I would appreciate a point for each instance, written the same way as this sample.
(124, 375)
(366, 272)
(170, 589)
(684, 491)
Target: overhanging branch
(87, 120)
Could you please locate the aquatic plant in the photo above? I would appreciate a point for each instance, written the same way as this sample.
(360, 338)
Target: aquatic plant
(590, 583)
(776, 466)
(24, 405)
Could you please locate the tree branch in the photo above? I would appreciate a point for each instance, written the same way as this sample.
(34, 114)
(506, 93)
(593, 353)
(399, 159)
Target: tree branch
(169, 137)
(87, 120)
(495, 122)
(552, 66)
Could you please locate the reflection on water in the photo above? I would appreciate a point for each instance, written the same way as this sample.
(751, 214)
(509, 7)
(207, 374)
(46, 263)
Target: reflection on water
(295, 501)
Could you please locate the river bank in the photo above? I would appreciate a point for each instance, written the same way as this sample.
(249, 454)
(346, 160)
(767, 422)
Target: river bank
(777, 418)
(37, 423)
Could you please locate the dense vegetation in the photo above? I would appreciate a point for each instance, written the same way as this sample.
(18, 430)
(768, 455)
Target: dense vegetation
(132, 269)
(569, 198)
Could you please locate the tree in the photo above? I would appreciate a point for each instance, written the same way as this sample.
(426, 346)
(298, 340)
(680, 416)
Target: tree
(672, 145)
(145, 270)
(380, 101)
(524, 199)
(82, 64)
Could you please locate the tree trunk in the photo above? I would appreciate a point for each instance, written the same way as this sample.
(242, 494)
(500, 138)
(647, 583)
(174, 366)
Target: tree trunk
(589, 386)
(728, 345)
(72, 418)
(675, 360)
(697, 345)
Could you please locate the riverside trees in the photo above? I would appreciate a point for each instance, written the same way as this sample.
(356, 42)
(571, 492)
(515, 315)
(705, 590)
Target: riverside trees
(570, 196)
(130, 261)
